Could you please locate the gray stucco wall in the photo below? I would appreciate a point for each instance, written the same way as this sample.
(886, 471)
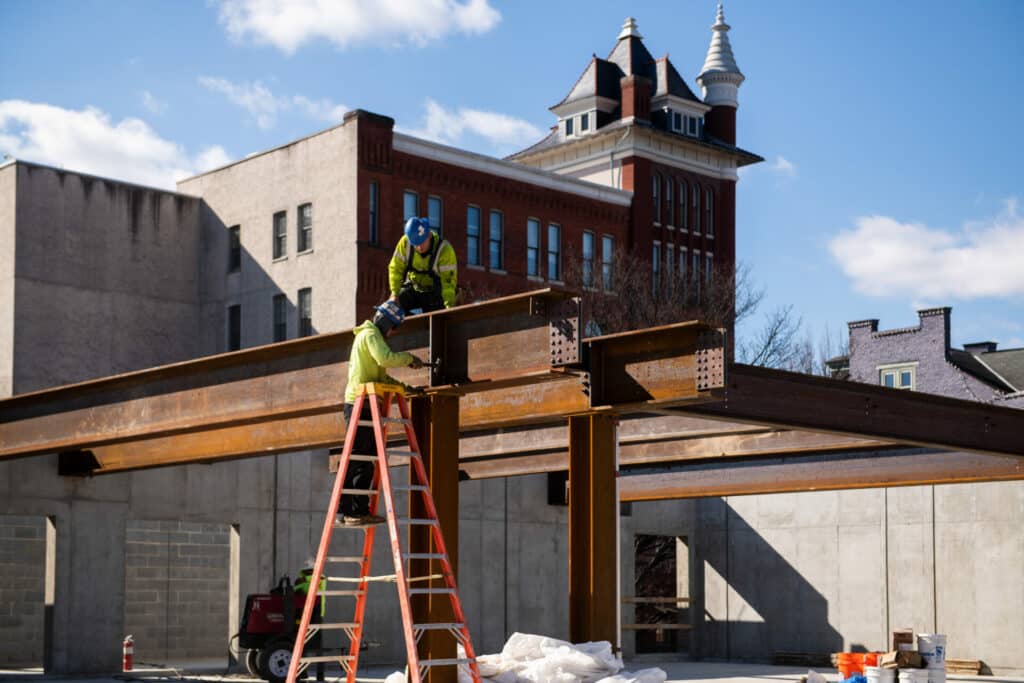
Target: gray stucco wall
(320, 170)
(8, 194)
(106, 278)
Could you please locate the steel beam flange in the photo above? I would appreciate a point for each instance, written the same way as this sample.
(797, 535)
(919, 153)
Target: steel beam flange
(564, 327)
(710, 359)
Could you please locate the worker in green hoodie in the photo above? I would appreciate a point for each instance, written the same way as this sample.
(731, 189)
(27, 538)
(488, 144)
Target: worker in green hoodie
(370, 358)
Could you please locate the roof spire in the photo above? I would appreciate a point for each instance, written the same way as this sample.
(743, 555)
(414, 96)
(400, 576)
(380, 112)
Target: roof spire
(629, 29)
(720, 78)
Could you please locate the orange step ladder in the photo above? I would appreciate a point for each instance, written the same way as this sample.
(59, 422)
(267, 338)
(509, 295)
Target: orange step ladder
(382, 397)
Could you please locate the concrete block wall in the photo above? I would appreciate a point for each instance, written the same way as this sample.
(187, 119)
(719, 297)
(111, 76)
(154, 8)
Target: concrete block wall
(22, 583)
(177, 589)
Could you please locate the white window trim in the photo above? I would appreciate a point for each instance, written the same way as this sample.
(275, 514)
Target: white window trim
(895, 368)
(539, 277)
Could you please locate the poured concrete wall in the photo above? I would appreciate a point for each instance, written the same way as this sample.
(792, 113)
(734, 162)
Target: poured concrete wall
(22, 566)
(106, 277)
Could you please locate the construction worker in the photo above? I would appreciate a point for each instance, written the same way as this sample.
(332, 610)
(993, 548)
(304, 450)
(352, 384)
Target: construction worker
(368, 362)
(423, 270)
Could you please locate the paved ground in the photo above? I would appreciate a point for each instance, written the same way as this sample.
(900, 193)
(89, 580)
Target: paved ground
(690, 672)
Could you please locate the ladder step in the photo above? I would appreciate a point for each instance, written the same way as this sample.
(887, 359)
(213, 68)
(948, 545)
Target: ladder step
(334, 627)
(363, 458)
(431, 591)
(413, 487)
(424, 556)
(444, 662)
(345, 559)
(327, 658)
(437, 627)
(416, 521)
(331, 593)
(360, 492)
(387, 420)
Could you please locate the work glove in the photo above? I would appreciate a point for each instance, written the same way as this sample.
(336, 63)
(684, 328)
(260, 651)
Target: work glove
(416, 363)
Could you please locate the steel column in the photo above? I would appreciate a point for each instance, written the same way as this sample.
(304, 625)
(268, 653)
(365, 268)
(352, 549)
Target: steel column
(593, 523)
(436, 421)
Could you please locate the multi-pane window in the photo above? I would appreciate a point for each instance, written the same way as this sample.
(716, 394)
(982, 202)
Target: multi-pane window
(533, 247)
(588, 259)
(280, 317)
(607, 256)
(682, 270)
(568, 126)
(495, 241)
(897, 376)
(305, 312)
(692, 125)
(410, 205)
(305, 227)
(656, 196)
(695, 272)
(435, 213)
(709, 213)
(584, 122)
(656, 268)
(669, 202)
(473, 256)
(234, 327)
(683, 222)
(374, 213)
(280, 235)
(677, 121)
(234, 249)
(696, 208)
(554, 252)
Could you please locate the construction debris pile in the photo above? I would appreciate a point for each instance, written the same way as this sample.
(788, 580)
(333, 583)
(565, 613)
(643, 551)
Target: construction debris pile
(529, 658)
(925, 664)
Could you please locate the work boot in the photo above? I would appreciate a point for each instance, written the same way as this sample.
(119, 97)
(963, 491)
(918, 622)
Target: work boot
(362, 520)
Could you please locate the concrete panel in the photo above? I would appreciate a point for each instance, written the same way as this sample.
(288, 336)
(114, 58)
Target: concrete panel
(911, 580)
(8, 209)
(860, 582)
(22, 574)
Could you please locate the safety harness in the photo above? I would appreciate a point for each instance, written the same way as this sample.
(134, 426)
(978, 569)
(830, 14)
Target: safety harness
(432, 267)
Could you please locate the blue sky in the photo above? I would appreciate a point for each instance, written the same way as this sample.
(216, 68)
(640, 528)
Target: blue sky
(891, 130)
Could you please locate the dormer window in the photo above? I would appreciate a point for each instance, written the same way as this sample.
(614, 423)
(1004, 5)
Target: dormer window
(584, 122)
(677, 121)
(568, 127)
(691, 125)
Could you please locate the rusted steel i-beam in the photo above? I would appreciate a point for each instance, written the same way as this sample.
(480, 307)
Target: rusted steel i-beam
(436, 421)
(593, 529)
(796, 401)
(822, 472)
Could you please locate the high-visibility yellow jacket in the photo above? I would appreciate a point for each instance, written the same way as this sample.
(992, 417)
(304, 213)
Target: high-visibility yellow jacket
(369, 358)
(419, 271)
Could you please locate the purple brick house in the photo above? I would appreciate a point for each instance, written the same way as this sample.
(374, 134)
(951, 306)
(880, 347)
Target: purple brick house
(921, 359)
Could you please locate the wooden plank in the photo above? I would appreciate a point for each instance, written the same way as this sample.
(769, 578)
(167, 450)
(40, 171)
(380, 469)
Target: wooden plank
(656, 627)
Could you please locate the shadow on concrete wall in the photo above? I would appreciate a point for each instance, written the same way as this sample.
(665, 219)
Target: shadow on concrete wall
(778, 608)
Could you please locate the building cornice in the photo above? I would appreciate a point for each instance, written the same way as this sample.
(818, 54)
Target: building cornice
(582, 104)
(679, 103)
(510, 170)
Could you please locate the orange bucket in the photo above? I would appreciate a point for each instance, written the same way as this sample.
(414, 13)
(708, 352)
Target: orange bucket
(850, 663)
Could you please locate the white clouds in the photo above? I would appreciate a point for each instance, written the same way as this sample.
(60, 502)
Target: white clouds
(87, 140)
(452, 126)
(151, 103)
(287, 24)
(784, 166)
(256, 99)
(212, 157)
(884, 257)
(264, 106)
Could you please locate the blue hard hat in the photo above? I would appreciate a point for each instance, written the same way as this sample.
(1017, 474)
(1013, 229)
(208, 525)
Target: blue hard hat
(417, 230)
(389, 314)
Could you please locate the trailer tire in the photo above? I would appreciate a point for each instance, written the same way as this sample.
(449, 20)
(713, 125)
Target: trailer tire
(251, 663)
(274, 658)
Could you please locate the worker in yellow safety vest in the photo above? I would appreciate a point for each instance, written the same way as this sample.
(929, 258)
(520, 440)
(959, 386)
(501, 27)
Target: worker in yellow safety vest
(423, 272)
(368, 362)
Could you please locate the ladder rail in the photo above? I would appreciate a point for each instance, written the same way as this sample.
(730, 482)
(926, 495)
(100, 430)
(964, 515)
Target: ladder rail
(325, 543)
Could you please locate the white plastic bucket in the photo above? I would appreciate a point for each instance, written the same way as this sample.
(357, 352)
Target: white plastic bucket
(913, 675)
(936, 675)
(877, 674)
(932, 647)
